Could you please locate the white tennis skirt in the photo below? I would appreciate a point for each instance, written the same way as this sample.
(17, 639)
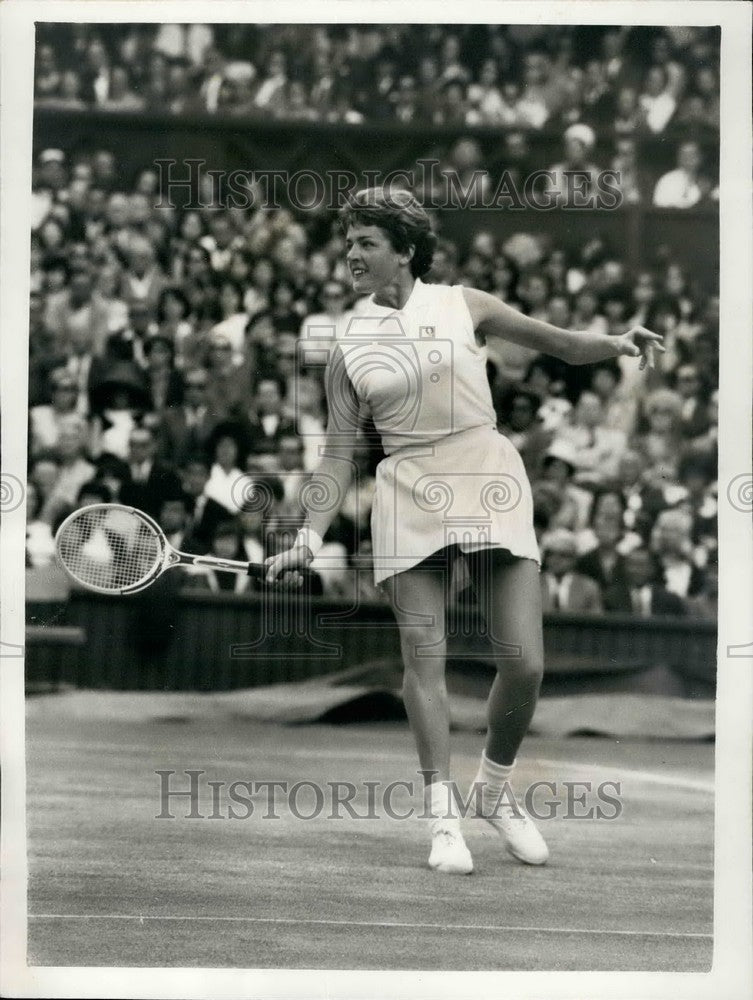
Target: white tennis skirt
(468, 489)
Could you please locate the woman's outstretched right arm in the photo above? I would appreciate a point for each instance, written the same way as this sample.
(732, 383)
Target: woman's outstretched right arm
(325, 492)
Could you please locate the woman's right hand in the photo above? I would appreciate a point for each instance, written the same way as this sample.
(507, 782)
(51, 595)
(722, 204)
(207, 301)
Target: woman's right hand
(285, 568)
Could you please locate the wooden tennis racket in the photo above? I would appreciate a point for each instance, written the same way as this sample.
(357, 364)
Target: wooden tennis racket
(114, 549)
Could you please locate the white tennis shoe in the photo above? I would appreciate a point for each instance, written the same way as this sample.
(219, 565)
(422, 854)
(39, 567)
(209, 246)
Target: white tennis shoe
(518, 830)
(449, 852)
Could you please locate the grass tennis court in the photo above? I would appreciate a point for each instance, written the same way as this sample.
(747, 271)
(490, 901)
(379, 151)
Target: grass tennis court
(111, 885)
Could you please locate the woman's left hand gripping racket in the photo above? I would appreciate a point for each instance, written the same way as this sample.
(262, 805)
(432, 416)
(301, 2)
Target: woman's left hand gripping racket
(114, 549)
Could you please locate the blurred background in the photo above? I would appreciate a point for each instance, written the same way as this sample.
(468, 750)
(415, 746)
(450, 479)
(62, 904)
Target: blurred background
(164, 361)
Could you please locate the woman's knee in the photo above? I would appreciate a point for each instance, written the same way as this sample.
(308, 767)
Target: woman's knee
(422, 643)
(524, 667)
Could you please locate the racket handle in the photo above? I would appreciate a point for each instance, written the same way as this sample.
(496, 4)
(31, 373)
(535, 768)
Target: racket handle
(257, 571)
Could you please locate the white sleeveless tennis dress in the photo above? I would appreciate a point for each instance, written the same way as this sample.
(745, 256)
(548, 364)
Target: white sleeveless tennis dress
(449, 477)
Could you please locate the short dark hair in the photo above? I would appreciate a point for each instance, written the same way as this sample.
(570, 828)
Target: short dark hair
(402, 218)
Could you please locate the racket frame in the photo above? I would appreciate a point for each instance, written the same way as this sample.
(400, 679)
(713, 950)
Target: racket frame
(171, 557)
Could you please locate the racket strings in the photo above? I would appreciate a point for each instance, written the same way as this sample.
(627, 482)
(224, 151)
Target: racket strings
(109, 549)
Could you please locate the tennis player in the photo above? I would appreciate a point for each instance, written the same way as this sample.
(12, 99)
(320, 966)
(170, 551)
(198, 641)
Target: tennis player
(416, 360)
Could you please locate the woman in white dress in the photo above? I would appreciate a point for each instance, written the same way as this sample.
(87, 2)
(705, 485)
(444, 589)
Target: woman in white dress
(415, 357)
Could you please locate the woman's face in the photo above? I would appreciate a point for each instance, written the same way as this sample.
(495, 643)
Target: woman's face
(371, 259)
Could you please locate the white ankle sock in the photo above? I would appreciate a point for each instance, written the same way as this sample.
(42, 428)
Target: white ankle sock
(494, 780)
(441, 806)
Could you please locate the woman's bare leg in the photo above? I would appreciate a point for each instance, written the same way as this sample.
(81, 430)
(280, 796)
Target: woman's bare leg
(509, 597)
(510, 601)
(418, 601)
(417, 597)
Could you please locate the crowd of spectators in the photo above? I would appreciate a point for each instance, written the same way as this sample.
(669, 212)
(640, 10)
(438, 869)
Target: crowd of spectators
(166, 372)
(630, 80)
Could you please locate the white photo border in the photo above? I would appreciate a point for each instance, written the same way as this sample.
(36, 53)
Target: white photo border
(731, 977)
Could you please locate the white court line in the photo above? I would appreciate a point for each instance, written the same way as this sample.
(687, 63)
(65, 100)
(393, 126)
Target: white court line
(649, 777)
(619, 773)
(371, 923)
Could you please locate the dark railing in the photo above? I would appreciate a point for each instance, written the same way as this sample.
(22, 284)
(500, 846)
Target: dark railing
(210, 642)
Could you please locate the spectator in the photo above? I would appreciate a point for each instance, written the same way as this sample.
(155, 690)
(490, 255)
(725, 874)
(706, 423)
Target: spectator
(618, 408)
(641, 595)
(485, 98)
(631, 181)
(558, 468)
(685, 186)
(118, 402)
(77, 316)
(657, 101)
(596, 448)
(574, 180)
(172, 518)
(185, 428)
(46, 73)
(232, 324)
(229, 379)
(697, 476)
(68, 97)
(164, 384)
(120, 96)
(150, 480)
(46, 419)
(264, 423)
(586, 315)
(291, 471)
(172, 318)
(212, 78)
(40, 544)
(270, 95)
(319, 329)
(605, 563)
(518, 421)
(694, 419)
(660, 445)
(202, 512)
(562, 587)
(641, 501)
(143, 280)
(704, 604)
(672, 545)
(74, 469)
(227, 454)
(294, 105)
